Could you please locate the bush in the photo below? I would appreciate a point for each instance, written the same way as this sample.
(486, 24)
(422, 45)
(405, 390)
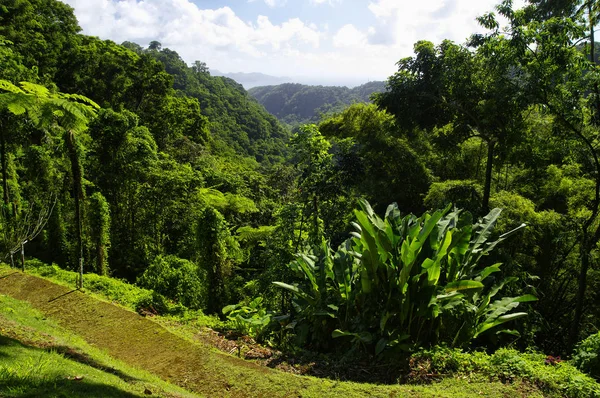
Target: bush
(252, 319)
(403, 282)
(178, 279)
(553, 376)
(587, 356)
(133, 297)
(465, 194)
(157, 304)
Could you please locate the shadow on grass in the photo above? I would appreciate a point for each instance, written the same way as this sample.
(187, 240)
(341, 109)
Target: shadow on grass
(62, 295)
(68, 353)
(28, 387)
(36, 384)
(83, 358)
(7, 275)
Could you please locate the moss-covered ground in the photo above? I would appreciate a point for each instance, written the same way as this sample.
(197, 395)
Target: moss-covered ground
(64, 334)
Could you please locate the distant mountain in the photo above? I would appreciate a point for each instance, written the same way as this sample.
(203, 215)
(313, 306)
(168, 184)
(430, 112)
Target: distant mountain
(249, 80)
(296, 104)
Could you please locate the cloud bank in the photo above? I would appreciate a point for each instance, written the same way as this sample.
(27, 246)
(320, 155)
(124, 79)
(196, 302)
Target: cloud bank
(293, 47)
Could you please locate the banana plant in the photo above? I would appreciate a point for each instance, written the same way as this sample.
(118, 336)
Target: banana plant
(406, 281)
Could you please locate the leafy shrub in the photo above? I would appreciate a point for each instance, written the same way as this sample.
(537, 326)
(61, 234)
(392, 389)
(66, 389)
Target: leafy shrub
(554, 378)
(158, 304)
(403, 282)
(587, 356)
(252, 319)
(177, 279)
(465, 194)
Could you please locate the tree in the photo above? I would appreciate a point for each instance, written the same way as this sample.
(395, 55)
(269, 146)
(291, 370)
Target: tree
(42, 30)
(562, 82)
(154, 46)
(459, 94)
(315, 167)
(200, 67)
(71, 113)
(122, 156)
(375, 160)
(99, 222)
(216, 254)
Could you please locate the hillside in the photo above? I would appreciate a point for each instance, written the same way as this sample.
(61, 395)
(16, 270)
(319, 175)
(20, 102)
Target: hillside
(250, 80)
(51, 316)
(298, 104)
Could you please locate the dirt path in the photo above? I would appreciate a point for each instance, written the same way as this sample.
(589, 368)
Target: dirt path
(140, 342)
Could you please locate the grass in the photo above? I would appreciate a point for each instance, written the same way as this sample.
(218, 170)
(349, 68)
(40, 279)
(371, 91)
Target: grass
(40, 358)
(118, 339)
(33, 372)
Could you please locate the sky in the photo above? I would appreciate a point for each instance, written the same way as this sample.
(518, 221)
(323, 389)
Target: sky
(336, 39)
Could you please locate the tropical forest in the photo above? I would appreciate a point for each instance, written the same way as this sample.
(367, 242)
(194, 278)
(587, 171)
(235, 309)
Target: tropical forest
(166, 232)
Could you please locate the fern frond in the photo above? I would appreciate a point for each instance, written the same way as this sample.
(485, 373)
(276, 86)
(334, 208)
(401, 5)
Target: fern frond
(81, 98)
(8, 86)
(35, 89)
(16, 108)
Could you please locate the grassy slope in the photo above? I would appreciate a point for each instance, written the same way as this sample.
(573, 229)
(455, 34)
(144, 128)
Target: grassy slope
(136, 341)
(40, 358)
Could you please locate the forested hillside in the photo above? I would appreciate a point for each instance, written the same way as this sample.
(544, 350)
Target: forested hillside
(459, 211)
(250, 80)
(296, 104)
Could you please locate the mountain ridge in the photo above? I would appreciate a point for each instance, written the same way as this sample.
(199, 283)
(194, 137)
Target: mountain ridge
(295, 103)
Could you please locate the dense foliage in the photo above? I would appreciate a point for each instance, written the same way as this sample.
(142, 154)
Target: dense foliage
(587, 355)
(552, 375)
(403, 282)
(125, 161)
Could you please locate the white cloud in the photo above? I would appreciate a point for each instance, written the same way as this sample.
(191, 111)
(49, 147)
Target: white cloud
(434, 20)
(330, 2)
(293, 47)
(349, 37)
(275, 3)
(193, 32)
(272, 3)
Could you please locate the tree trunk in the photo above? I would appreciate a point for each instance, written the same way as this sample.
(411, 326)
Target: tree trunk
(580, 300)
(100, 260)
(77, 196)
(593, 61)
(23, 256)
(587, 243)
(4, 166)
(485, 203)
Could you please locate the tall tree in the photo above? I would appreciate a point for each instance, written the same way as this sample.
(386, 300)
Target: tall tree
(560, 80)
(460, 94)
(71, 113)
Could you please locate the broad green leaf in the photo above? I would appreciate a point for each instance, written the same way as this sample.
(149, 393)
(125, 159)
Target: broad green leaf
(380, 346)
(229, 308)
(294, 289)
(489, 270)
(463, 285)
(500, 320)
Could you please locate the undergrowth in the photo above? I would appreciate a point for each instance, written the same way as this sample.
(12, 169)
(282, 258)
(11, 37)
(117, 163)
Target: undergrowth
(551, 375)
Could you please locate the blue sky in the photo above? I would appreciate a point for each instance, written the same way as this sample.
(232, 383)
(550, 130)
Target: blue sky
(326, 39)
(320, 14)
